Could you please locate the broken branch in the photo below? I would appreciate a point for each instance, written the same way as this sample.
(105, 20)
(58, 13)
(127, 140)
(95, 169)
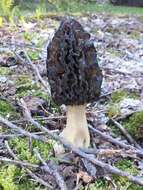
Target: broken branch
(21, 131)
(125, 133)
(35, 70)
(115, 141)
(52, 171)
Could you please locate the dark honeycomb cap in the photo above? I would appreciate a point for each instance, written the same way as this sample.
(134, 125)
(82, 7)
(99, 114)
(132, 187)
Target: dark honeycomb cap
(72, 67)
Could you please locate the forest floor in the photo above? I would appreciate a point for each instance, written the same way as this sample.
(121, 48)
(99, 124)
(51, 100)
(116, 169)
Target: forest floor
(119, 43)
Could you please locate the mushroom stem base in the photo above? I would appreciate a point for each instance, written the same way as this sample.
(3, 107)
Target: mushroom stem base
(76, 131)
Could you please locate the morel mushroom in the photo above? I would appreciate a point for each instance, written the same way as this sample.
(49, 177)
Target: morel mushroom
(74, 76)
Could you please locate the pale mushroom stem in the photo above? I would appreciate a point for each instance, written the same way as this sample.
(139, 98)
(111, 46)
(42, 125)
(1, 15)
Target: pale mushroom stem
(76, 131)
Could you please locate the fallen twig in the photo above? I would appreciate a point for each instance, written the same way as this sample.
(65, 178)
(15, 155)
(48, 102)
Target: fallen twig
(116, 152)
(119, 118)
(117, 142)
(23, 45)
(38, 179)
(126, 134)
(37, 73)
(47, 90)
(41, 119)
(52, 171)
(7, 136)
(17, 162)
(22, 131)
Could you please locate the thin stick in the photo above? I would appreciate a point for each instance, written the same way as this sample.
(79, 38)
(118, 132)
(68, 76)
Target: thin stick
(16, 162)
(115, 141)
(7, 136)
(22, 131)
(39, 180)
(40, 119)
(128, 114)
(52, 171)
(37, 73)
(88, 157)
(126, 134)
(23, 45)
(35, 70)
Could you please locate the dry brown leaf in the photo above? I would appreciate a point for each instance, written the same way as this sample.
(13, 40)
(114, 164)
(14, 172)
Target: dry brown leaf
(84, 176)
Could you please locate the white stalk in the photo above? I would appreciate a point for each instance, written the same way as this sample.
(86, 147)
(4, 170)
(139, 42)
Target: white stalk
(76, 131)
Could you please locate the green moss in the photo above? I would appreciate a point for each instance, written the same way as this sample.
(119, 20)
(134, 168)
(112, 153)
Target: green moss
(100, 184)
(4, 71)
(127, 165)
(6, 109)
(119, 95)
(134, 187)
(25, 86)
(21, 146)
(113, 52)
(23, 79)
(36, 39)
(7, 175)
(122, 182)
(113, 110)
(30, 185)
(52, 106)
(135, 35)
(28, 36)
(134, 124)
(115, 131)
(14, 178)
(41, 94)
(34, 55)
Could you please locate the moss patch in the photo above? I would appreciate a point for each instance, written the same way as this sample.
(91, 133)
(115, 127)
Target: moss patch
(4, 71)
(113, 52)
(7, 176)
(25, 86)
(113, 110)
(14, 178)
(41, 94)
(134, 125)
(34, 38)
(21, 146)
(34, 55)
(6, 109)
(127, 165)
(100, 184)
(122, 182)
(119, 95)
(135, 35)
(51, 105)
